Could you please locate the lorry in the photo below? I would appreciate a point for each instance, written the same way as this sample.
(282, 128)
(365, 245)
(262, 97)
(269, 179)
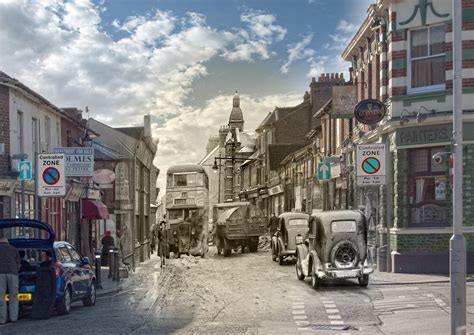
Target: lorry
(237, 224)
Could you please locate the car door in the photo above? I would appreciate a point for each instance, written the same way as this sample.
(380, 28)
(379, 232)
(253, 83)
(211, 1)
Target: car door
(73, 273)
(82, 269)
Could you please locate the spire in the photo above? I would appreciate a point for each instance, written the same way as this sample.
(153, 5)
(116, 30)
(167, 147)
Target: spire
(236, 118)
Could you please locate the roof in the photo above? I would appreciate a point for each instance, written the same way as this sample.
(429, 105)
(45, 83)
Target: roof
(182, 168)
(209, 155)
(135, 132)
(112, 142)
(236, 114)
(280, 113)
(324, 109)
(278, 152)
(294, 215)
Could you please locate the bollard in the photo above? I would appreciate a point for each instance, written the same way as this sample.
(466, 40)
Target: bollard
(117, 264)
(98, 280)
(111, 263)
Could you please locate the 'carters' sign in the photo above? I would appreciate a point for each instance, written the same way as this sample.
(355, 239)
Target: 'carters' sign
(79, 161)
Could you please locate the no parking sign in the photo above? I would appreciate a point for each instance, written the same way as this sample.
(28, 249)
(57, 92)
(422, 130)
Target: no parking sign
(371, 164)
(51, 177)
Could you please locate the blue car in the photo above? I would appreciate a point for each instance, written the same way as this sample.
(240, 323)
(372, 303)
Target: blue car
(73, 274)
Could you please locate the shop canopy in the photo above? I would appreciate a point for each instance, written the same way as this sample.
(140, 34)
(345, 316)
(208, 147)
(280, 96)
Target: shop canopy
(94, 209)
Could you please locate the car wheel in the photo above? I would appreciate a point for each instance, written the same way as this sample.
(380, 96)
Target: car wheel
(299, 272)
(364, 281)
(281, 259)
(274, 257)
(64, 307)
(90, 299)
(315, 281)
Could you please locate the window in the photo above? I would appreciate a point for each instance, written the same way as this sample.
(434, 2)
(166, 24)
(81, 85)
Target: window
(47, 130)
(180, 180)
(74, 254)
(64, 254)
(427, 58)
(427, 182)
(20, 132)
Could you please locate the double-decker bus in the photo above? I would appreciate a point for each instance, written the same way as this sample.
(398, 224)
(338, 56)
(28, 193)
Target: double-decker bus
(187, 207)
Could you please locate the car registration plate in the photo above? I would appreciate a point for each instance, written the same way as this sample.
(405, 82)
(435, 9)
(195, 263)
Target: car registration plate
(21, 297)
(299, 239)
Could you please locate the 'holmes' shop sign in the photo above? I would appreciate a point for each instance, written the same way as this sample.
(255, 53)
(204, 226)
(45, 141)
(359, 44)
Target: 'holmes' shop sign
(79, 161)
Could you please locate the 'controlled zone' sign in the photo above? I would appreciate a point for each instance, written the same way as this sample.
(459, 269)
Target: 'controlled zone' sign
(371, 164)
(51, 176)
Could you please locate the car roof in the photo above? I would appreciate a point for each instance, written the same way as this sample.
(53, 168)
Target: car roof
(294, 215)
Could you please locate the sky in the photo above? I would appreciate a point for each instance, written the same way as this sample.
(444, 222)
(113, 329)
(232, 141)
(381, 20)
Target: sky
(178, 60)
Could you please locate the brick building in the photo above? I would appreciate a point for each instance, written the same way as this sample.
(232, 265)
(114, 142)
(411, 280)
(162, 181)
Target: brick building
(402, 55)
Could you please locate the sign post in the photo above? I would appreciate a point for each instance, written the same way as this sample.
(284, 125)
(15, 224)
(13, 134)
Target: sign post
(51, 176)
(371, 164)
(324, 171)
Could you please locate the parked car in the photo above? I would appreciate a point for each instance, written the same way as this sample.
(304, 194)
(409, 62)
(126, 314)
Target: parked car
(292, 229)
(336, 248)
(74, 278)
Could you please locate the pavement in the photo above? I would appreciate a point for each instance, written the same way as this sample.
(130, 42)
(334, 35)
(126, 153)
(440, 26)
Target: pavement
(109, 286)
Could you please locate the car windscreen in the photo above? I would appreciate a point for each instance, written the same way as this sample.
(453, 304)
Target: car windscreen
(297, 222)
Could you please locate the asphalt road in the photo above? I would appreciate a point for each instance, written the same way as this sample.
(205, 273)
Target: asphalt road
(250, 294)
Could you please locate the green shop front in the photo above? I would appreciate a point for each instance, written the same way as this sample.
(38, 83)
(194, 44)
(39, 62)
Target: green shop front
(422, 201)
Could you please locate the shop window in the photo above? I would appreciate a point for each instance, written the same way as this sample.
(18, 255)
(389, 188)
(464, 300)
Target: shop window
(427, 184)
(427, 59)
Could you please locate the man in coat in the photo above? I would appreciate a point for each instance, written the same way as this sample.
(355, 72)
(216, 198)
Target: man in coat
(273, 224)
(9, 267)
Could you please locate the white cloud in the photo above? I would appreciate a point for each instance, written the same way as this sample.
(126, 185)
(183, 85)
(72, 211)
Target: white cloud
(62, 51)
(255, 41)
(346, 27)
(342, 35)
(298, 51)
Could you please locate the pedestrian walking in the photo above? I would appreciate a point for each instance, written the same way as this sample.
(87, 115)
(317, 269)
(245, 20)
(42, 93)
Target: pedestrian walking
(153, 237)
(9, 267)
(162, 243)
(107, 243)
(272, 224)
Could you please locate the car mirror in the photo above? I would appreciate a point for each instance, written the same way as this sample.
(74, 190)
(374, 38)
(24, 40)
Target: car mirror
(85, 261)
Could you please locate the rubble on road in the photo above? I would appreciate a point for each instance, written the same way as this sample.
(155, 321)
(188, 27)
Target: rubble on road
(264, 242)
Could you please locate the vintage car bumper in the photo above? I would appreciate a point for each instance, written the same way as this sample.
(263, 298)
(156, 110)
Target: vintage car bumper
(348, 273)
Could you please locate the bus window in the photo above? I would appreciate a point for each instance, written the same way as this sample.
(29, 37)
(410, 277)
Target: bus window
(191, 179)
(180, 180)
(175, 214)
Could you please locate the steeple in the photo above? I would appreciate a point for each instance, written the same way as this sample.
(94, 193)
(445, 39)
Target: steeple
(236, 119)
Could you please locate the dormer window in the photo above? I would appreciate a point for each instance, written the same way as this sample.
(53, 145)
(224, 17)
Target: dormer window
(426, 65)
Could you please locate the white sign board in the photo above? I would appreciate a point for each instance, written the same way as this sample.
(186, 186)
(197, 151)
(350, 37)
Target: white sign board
(51, 178)
(371, 161)
(79, 161)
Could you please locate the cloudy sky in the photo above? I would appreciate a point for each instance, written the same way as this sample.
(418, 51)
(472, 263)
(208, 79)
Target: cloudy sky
(178, 60)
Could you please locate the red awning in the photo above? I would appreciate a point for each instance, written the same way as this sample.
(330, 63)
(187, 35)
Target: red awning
(94, 209)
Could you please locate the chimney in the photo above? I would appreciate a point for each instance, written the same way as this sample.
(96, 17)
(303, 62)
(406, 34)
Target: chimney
(147, 126)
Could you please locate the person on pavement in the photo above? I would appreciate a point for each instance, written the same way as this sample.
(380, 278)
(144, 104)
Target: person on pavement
(161, 243)
(9, 267)
(107, 243)
(273, 224)
(153, 237)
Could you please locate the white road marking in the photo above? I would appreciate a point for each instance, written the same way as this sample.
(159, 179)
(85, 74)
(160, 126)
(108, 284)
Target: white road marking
(298, 312)
(334, 317)
(302, 323)
(300, 317)
(337, 322)
(332, 311)
(330, 305)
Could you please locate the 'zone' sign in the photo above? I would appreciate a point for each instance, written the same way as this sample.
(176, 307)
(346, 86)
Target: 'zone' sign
(51, 176)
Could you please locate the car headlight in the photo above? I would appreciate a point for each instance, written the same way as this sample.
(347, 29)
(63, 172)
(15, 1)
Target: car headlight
(174, 232)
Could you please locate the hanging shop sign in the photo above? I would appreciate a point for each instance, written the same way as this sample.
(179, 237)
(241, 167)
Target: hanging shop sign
(79, 161)
(369, 111)
(343, 101)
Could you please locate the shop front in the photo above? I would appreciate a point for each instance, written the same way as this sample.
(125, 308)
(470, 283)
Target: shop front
(422, 225)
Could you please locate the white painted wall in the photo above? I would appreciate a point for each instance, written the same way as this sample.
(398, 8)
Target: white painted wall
(31, 109)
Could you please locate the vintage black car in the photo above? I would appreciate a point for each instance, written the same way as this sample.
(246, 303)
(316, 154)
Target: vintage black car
(292, 229)
(336, 248)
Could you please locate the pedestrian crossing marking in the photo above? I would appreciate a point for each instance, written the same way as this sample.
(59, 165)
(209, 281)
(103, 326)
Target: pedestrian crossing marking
(332, 311)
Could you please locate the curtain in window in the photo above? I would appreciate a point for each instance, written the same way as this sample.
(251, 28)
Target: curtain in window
(427, 72)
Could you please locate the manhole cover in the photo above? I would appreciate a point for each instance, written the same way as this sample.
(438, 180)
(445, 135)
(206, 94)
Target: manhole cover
(329, 327)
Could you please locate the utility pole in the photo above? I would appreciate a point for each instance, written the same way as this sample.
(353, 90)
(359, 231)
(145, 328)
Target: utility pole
(458, 242)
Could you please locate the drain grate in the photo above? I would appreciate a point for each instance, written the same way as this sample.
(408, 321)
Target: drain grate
(329, 327)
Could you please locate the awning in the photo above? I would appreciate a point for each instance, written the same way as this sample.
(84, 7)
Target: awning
(94, 209)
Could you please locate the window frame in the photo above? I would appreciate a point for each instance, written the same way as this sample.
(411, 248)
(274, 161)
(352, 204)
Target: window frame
(423, 89)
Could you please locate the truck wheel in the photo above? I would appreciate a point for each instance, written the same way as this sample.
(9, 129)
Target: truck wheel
(299, 271)
(227, 252)
(253, 245)
(364, 281)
